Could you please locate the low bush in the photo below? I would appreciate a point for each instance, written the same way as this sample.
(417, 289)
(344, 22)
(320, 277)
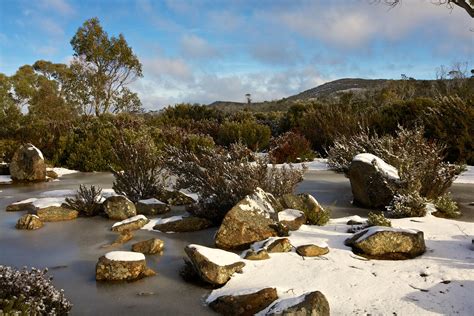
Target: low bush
(290, 147)
(407, 205)
(320, 218)
(250, 133)
(222, 177)
(86, 201)
(378, 220)
(7, 149)
(446, 207)
(30, 292)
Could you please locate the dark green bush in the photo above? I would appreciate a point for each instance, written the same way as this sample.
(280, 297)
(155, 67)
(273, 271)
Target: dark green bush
(446, 207)
(253, 135)
(378, 220)
(86, 201)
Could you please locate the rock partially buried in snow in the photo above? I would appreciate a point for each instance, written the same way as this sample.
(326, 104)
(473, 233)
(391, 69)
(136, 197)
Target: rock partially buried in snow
(52, 174)
(247, 304)
(279, 245)
(303, 202)
(314, 304)
(21, 207)
(380, 242)
(149, 247)
(176, 198)
(184, 224)
(252, 219)
(56, 214)
(152, 207)
(122, 266)
(261, 254)
(293, 219)
(28, 164)
(311, 250)
(370, 177)
(29, 222)
(129, 224)
(214, 266)
(119, 207)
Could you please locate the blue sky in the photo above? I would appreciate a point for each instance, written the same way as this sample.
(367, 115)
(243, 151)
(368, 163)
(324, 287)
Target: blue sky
(202, 51)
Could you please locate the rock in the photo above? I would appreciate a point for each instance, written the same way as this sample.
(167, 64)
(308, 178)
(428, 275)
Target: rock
(29, 222)
(152, 207)
(56, 214)
(370, 177)
(122, 266)
(52, 174)
(119, 207)
(123, 237)
(176, 198)
(293, 219)
(314, 304)
(252, 219)
(303, 202)
(132, 223)
(185, 224)
(149, 247)
(4, 169)
(311, 250)
(279, 245)
(214, 266)
(380, 242)
(28, 164)
(247, 304)
(21, 207)
(262, 254)
(353, 222)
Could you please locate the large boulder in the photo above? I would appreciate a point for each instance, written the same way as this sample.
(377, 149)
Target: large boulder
(311, 304)
(152, 207)
(253, 219)
(214, 266)
(28, 164)
(184, 224)
(371, 181)
(149, 247)
(303, 202)
(29, 222)
(247, 304)
(129, 224)
(56, 214)
(119, 207)
(380, 242)
(122, 266)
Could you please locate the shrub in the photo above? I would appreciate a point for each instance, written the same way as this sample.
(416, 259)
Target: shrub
(378, 220)
(7, 149)
(446, 207)
(255, 136)
(320, 218)
(142, 174)
(222, 177)
(407, 205)
(86, 201)
(27, 292)
(290, 147)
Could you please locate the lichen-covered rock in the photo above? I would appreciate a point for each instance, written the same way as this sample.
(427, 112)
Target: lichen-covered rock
(149, 247)
(279, 245)
(370, 179)
(291, 218)
(311, 250)
(176, 198)
(56, 214)
(119, 207)
(311, 304)
(152, 207)
(380, 242)
(214, 266)
(303, 202)
(261, 254)
(29, 222)
(247, 304)
(28, 165)
(252, 219)
(185, 224)
(122, 266)
(129, 224)
(21, 207)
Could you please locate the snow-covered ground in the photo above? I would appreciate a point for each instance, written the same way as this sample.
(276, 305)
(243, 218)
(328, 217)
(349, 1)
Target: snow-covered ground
(467, 176)
(439, 282)
(318, 164)
(6, 179)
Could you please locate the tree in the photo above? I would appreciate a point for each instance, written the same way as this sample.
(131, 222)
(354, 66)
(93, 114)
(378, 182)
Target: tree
(102, 68)
(466, 5)
(248, 96)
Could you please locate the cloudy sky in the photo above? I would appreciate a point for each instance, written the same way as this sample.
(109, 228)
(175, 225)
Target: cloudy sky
(202, 51)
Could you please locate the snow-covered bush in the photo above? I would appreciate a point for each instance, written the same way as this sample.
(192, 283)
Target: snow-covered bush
(378, 220)
(86, 200)
(446, 207)
(142, 173)
(290, 147)
(407, 205)
(222, 177)
(320, 218)
(30, 292)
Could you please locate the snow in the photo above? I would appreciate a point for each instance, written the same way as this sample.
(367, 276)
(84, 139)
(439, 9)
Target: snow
(5, 179)
(124, 256)
(377, 229)
(31, 147)
(282, 305)
(258, 203)
(62, 171)
(318, 164)
(44, 202)
(130, 220)
(355, 285)
(389, 170)
(217, 256)
(58, 193)
(156, 221)
(151, 201)
(289, 215)
(467, 177)
(191, 195)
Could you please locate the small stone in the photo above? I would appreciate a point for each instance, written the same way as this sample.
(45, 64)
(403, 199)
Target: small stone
(21, 207)
(280, 245)
(248, 304)
(311, 250)
(122, 266)
(56, 214)
(186, 224)
(314, 304)
(152, 207)
(123, 237)
(149, 247)
(29, 222)
(132, 223)
(119, 207)
(262, 254)
(52, 174)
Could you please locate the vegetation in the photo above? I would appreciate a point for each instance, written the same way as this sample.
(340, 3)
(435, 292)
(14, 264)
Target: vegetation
(407, 205)
(86, 201)
(446, 207)
(290, 147)
(378, 220)
(320, 218)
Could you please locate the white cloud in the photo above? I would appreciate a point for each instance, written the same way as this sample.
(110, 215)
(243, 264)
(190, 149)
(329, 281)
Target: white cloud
(168, 68)
(60, 6)
(50, 27)
(193, 46)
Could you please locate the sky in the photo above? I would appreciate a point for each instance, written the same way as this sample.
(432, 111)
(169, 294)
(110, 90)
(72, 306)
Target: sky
(202, 51)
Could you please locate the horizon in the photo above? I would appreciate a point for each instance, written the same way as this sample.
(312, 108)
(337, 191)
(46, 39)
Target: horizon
(206, 51)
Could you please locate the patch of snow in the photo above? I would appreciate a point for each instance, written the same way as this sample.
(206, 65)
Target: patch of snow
(32, 147)
(124, 256)
(389, 170)
(5, 179)
(467, 177)
(156, 221)
(44, 202)
(106, 193)
(376, 229)
(62, 171)
(151, 201)
(318, 164)
(289, 215)
(191, 195)
(217, 256)
(258, 203)
(284, 304)
(58, 193)
(130, 220)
